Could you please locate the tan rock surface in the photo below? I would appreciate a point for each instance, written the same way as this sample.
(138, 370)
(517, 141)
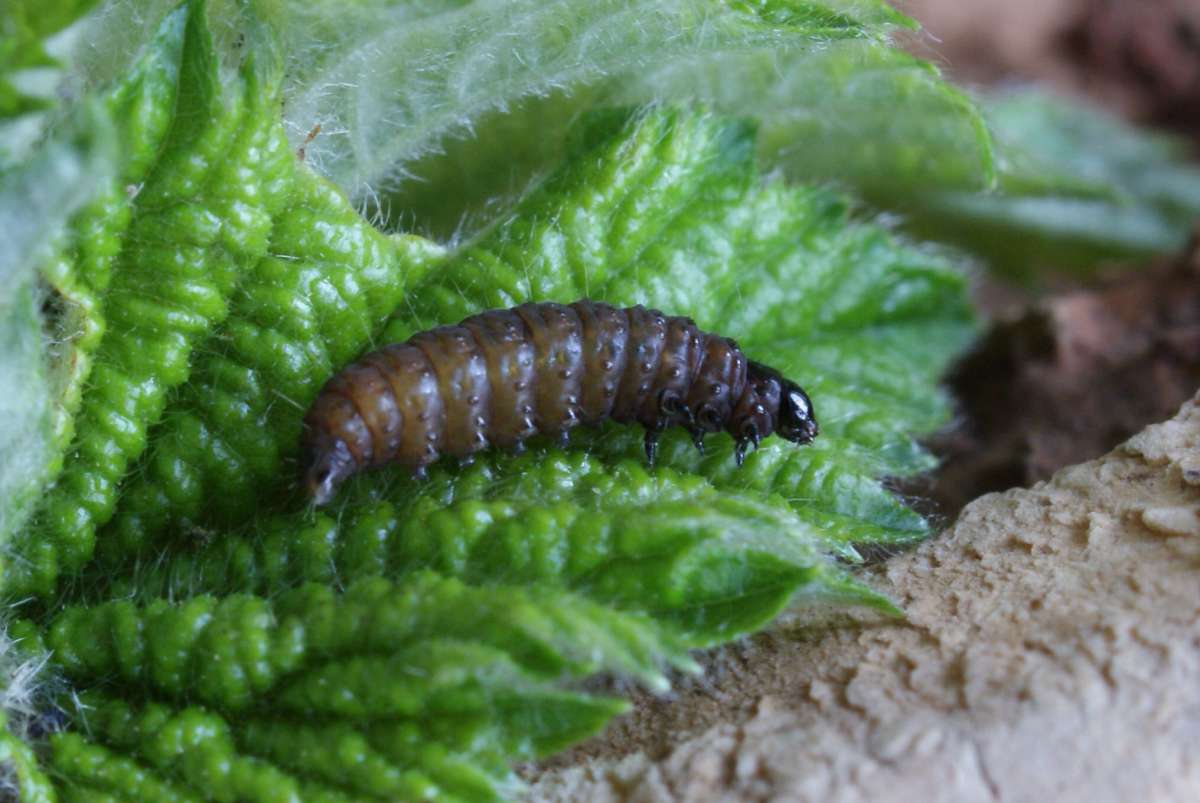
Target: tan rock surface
(1052, 653)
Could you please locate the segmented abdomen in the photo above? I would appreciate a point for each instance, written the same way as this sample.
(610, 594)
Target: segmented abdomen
(502, 376)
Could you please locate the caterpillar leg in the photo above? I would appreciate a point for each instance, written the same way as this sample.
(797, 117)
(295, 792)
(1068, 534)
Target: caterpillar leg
(753, 436)
(739, 452)
(698, 438)
(749, 436)
(651, 444)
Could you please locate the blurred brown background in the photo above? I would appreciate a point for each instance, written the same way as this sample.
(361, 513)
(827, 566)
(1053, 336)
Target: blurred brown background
(1072, 368)
(1140, 58)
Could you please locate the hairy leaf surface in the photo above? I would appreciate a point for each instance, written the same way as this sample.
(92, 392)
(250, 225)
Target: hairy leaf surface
(1077, 188)
(213, 637)
(37, 200)
(819, 76)
(424, 687)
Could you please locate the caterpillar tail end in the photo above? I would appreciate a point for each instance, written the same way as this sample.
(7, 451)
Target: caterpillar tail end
(325, 470)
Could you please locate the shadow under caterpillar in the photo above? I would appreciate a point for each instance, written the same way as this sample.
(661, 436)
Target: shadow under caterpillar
(502, 376)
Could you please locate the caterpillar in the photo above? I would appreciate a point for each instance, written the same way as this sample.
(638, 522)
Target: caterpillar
(502, 376)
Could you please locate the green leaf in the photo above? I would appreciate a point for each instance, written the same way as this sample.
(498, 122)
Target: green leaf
(415, 689)
(36, 201)
(418, 75)
(713, 563)
(661, 207)
(80, 271)
(862, 321)
(412, 118)
(157, 276)
(171, 647)
(90, 772)
(21, 777)
(25, 433)
(853, 111)
(30, 75)
(1077, 187)
(313, 303)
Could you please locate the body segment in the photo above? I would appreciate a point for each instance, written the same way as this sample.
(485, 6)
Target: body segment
(502, 376)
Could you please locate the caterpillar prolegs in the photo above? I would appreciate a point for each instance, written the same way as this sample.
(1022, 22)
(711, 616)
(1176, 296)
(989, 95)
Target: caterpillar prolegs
(502, 376)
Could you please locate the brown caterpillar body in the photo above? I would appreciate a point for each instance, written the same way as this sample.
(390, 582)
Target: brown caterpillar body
(502, 376)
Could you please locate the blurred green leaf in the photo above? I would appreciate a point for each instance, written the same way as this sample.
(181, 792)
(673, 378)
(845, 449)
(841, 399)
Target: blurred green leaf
(1077, 188)
(420, 73)
(30, 76)
(819, 75)
(37, 200)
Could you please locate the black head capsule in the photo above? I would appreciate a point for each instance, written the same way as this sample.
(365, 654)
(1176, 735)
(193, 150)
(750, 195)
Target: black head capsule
(783, 408)
(797, 420)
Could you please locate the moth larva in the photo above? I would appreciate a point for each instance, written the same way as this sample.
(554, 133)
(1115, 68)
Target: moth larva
(502, 376)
